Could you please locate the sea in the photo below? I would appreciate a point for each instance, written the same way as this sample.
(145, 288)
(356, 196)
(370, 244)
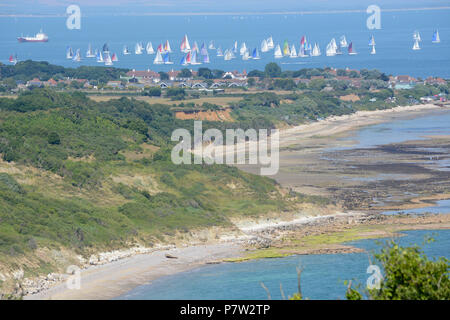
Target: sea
(394, 40)
(323, 276)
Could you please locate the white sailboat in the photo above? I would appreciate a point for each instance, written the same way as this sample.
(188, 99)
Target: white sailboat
(77, 56)
(99, 56)
(89, 52)
(372, 41)
(158, 58)
(228, 55)
(331, 48)
(293, 53)
(278, 54)
(108, 61)
(69, 53)
(416, 45)
(373, 50)
(243, 49)
(138, 48)
(149, 48)
(235, 49)
(416, 36)
(246, 55)
(219, 52)
(185, 47)
(211, 45)
(315, 52)
(126, 51)
(343, 42)
(270, 43)
(264, 46)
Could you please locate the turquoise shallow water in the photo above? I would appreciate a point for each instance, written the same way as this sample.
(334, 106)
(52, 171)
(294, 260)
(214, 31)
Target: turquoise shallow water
(322, 277)
(394, 40)
(442, 206)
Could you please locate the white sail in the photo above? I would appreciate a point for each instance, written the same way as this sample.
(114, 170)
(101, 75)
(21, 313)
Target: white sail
(343, 42)
(264, 46)
(99, 56)
(211, 45)
(235, 47)
(331, 49)
(69, 53)
(246, 55)
(416, 45)
(89, 52)
(185, 47)
(270, 43)
(158, 58)
(373, 50)
(293, 52)
(108, 61)
(219, 52)
(228, 55)
(278, 54)
(138, 48)
(125, 50)
(372, 41)
(149, 48)
(416, 36)
(315, 52)
(77, 57)
(243, 49)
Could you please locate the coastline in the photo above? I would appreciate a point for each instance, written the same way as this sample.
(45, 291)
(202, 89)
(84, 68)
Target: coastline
(115, 278)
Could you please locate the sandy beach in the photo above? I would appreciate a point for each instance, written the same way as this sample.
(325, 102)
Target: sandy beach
(116, 278)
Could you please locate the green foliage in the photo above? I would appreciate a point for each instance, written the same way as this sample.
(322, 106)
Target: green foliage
(272, 70)
(409, 275)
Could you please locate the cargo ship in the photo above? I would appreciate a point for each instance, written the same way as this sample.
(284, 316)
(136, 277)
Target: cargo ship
(39, 37)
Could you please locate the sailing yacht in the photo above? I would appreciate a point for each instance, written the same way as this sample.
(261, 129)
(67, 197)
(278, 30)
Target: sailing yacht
(331, 48)
(278, 54)
(351, 51)
(206, 57)
(255, 54)
(138, 48)
(167, 47)
(343, 42)
(126, 51)
(89, 52)
(372, 41)
(13, 59)
(167, 59)
(264, 46)
(286, 50)
(69, 53)
(301, 52)
(114, 58)
(185, 47)
(270, 44)
(436, 38)
(99, 56)
(194, 59)
(416, 36)
(243, 49)
(315, 52)
(211, 45)
(158, 58)
(219, 52)
(373, 50)
(105, 48)
(203, 50)
(246, 55)
(149, 48)
(228, 55)
(108, 60)
(195, 47)
(235, 49)
(416, 45)
(293, 53)
(77, 56)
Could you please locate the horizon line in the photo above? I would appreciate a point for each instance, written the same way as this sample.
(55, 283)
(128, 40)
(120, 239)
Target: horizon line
(224, 13)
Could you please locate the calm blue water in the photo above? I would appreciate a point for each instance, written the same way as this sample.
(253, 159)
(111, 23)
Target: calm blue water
(394, 40)
(442, 206)
(402, 130)
(322, 277)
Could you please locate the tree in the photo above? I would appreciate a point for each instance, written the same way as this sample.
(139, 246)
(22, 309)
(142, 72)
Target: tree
(272, 70)
(163, 75)
(53, 138)
(205, 73)
(185, 73)
(408, 275)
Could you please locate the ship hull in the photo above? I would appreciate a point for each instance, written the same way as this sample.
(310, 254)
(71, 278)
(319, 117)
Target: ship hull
(31, 40)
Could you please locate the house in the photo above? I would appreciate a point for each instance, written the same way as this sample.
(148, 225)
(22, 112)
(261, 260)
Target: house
(115, 84)
(51, 83)
(235, 75)
(35, 83)
(435, 81)
(143, 76)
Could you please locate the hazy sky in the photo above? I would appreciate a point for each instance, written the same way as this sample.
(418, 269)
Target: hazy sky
(176, 6)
